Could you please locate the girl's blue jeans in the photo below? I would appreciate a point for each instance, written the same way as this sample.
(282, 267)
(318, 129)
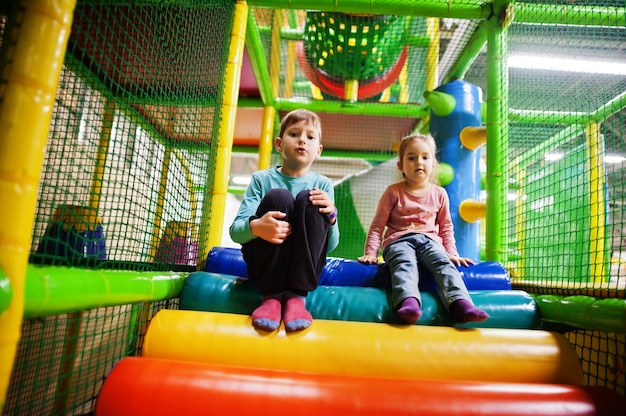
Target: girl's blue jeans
(403, 257)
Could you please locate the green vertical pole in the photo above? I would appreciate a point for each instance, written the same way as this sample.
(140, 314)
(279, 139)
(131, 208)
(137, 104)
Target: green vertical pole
(256, 52)
(468, 55)
(497, 124)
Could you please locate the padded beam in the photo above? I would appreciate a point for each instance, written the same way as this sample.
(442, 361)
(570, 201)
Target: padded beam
(366, 349)
(213, 292)
(147, 386)
(343, 272)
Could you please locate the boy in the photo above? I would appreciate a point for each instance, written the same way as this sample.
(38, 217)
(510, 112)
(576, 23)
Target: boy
(286, 224)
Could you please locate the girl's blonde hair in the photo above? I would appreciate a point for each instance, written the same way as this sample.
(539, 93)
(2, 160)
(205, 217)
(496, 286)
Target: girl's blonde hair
(430, 141)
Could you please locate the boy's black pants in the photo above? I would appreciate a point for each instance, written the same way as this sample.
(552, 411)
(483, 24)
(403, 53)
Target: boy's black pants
(296, 264)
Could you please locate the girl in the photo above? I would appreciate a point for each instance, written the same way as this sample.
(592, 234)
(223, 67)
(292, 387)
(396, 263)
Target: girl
(415, 217)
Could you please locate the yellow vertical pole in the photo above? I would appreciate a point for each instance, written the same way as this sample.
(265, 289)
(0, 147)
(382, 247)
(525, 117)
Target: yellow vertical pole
(277, 24)
(158, 216)
(267, 137)
(193, 201)
(290, 69)
(143, 311)
(351, 90)
(267, 129)
(520, 226)
(403, 79)
(432, 53)
(30, 84)
(189, 178)
(103, 150)
(597, 203)
(226, 133)
(74, 320)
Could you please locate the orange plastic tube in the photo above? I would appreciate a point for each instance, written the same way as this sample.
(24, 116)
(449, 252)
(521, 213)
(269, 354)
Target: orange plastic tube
(149, 386)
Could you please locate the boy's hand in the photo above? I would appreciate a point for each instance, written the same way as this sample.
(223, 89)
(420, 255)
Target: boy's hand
(271, 228)
(321, 198)
(368, 259)
(461, 261)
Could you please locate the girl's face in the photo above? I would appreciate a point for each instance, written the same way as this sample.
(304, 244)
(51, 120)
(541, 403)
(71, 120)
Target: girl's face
(417, 162)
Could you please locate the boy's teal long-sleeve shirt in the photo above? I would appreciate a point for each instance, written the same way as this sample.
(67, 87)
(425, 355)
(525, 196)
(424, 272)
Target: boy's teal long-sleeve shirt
(264, 180)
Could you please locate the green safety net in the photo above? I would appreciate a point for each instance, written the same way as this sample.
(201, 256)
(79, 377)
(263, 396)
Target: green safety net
(129, 164)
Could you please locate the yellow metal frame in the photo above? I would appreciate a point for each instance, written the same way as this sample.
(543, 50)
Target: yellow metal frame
(26, 109)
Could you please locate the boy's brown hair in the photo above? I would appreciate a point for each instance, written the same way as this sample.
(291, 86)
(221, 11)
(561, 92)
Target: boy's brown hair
(298, 115)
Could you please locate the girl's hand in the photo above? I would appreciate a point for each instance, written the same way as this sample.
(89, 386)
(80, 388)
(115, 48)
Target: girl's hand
(461, 261)
(271, 228)
(368, 259)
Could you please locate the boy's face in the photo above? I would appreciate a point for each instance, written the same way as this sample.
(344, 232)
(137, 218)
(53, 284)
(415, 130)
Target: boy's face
(300, 145)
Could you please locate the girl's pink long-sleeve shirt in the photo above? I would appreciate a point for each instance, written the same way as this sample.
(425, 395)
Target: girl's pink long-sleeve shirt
(400, 213)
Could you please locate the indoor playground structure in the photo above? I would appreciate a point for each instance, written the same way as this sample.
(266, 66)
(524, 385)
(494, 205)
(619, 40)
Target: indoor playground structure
(129, 131)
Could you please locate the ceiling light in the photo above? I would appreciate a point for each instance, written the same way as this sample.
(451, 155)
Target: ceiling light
(241, 180)
(552, 157)
(566, 65)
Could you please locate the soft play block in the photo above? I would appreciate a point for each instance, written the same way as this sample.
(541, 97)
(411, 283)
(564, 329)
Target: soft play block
(214, 292)
(366, 348)
(342, 272)
(148, 386)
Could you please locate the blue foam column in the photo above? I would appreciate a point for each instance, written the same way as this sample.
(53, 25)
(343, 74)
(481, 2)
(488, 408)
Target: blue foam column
(466, 163)
(343, 272)
(212, 292)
